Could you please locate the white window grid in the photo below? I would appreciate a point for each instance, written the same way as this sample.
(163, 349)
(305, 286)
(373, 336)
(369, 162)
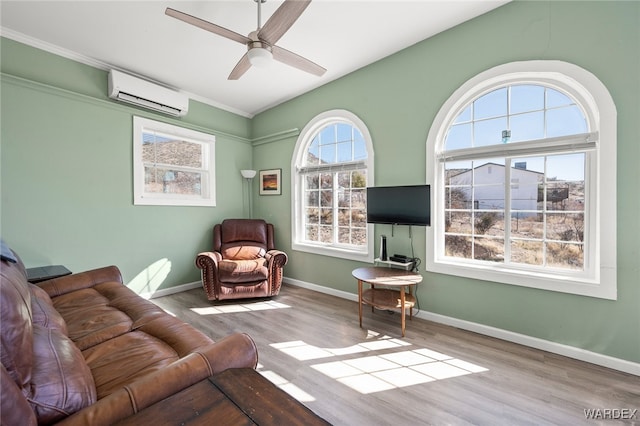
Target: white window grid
(599, 277)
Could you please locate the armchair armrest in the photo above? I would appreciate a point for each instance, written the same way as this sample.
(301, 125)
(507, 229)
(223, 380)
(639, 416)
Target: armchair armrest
(208, 262)
(277, 258)
(87, 279)
(234, 351)
(208, 259)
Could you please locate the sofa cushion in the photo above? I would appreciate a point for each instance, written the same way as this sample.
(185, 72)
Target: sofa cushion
(44, 313)
(97, 314)
(61, 383)
(125, 359)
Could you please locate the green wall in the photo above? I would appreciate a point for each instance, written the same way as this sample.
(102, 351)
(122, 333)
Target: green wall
(66, 166)
(67, 186)
(398, 98)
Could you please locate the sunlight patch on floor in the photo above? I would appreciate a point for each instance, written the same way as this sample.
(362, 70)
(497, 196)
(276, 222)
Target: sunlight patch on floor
(380, 372)
(303, 351)
(287, 386)
(235, 308)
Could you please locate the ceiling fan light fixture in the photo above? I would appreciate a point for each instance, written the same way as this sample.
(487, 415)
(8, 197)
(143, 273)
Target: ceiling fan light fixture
(259, 56)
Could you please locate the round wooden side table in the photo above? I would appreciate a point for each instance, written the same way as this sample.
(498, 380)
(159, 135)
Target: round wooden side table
(396, 292)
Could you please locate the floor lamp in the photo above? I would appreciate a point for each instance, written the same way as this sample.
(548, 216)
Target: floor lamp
(248, 175)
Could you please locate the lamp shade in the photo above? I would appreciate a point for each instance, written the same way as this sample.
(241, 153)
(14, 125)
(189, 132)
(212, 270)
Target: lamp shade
(248, 174)
(259, 56)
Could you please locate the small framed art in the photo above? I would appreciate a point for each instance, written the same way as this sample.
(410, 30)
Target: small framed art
(270, 182)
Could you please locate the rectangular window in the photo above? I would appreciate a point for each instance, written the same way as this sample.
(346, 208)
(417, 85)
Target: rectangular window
(172, 165)
(546, 207)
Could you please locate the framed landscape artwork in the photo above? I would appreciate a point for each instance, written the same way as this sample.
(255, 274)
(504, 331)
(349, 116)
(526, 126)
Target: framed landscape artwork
(270, 182)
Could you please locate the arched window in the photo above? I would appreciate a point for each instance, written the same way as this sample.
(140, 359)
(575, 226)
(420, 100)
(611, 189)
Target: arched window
(331, 167)
(520, 192)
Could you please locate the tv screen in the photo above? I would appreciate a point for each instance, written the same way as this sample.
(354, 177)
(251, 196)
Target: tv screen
(399, 205)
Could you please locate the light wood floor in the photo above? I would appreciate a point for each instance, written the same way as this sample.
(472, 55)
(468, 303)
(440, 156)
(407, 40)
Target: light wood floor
(310, 344)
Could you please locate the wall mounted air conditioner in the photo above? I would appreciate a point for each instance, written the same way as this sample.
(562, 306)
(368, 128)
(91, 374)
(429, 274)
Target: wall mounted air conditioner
(136, 91)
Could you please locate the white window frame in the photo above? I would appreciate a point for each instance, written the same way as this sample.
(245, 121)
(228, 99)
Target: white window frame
(601, 115)
(208, 196)
(365, 254)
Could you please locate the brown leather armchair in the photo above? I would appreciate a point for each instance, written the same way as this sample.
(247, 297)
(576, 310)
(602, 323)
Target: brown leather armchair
(244, 262)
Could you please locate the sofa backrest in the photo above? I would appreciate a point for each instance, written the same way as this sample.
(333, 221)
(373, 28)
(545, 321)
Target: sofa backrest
(48, 376)
(16, 339)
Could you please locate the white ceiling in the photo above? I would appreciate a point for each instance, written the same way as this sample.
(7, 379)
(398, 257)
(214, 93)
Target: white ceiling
(137, 37)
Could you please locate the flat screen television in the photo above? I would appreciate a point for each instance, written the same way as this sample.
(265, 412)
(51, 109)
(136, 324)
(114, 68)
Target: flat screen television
(399, 205)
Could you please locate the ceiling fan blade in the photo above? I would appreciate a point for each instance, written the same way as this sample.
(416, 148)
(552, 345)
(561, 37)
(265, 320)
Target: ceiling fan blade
(281, 20)
(206, 25)
(241, 67)
(287, 57)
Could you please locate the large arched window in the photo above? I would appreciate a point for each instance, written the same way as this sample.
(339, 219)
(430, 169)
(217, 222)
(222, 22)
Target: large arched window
(522, 161)
(331, 167)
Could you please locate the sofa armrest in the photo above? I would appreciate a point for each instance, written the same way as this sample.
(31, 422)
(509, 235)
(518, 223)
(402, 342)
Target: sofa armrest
(234, 351)
(87, 279)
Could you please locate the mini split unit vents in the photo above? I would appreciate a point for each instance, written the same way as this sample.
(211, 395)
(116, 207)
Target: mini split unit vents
(136, 91)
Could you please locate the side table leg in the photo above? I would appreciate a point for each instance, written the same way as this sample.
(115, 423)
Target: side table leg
(360, 301)
(402, 300)
(373, 295)
(411, 307)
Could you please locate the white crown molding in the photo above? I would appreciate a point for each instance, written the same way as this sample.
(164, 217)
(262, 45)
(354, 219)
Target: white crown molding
(52, 48)
(86, 60)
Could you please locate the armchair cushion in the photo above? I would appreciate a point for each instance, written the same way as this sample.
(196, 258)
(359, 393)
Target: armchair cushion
(242, 252)
(243, 271)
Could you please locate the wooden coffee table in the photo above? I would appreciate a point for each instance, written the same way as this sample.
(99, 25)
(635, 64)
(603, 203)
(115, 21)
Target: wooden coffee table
(235, 397)
(391, 294)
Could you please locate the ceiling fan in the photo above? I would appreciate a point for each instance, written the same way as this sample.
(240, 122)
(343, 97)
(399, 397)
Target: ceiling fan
(261, 43)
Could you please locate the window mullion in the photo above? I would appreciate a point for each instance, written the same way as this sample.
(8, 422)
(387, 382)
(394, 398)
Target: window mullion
(507, 211)
(336, 189)
(545, 215)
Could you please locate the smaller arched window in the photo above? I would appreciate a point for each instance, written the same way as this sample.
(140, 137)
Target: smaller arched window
(331, 167)
(520, 192)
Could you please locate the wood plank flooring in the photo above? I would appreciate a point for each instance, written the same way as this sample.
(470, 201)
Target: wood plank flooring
(310, 345)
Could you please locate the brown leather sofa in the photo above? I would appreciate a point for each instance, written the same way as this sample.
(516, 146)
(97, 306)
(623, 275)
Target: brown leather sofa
(244, 261)
(86, 350)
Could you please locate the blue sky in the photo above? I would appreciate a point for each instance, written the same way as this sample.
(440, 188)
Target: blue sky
(529, 112)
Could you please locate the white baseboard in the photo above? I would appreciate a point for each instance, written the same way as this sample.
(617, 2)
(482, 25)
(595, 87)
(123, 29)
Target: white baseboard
(522, 339)
(171, 290)
(321, 289)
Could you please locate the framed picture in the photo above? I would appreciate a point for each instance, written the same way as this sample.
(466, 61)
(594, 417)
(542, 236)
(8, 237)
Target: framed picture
(270, 182)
